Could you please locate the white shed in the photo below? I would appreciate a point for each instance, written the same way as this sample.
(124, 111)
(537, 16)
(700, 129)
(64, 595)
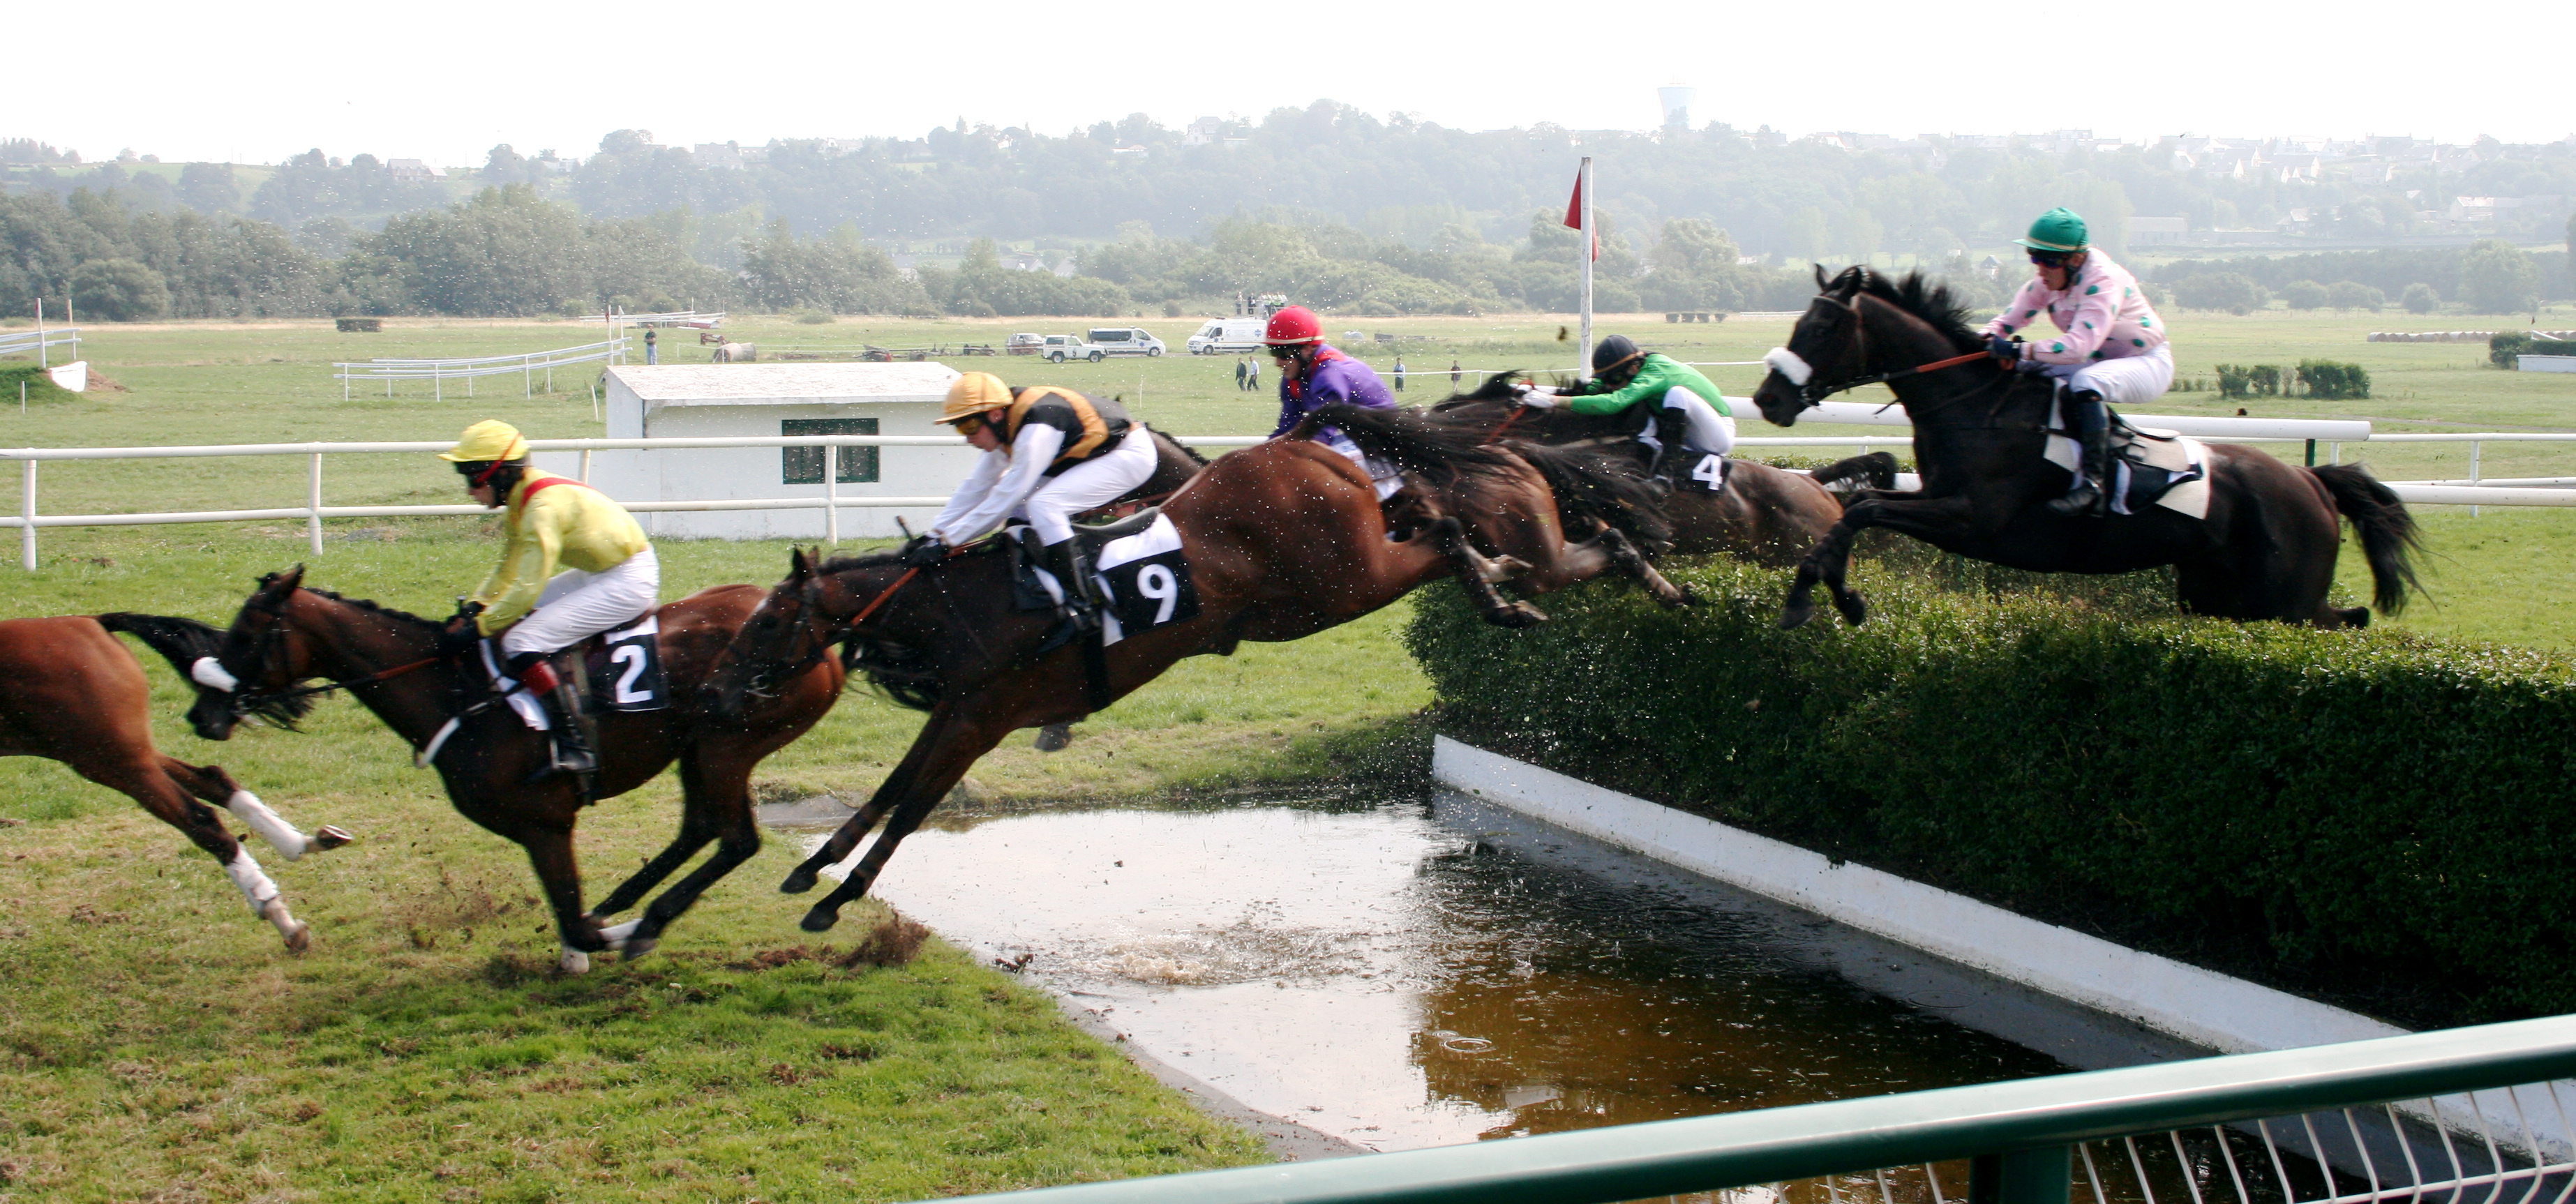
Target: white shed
(702, 400)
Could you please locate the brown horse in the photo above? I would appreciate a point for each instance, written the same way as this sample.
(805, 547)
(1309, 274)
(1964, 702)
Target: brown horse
(1767, 515)
(1280, 541)
(2265, 549)
(387, 660)
(70, 692)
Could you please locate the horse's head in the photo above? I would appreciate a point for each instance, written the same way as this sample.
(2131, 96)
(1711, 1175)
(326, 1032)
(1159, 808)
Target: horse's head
(261, 655)
(792, 628)
(1825, 348)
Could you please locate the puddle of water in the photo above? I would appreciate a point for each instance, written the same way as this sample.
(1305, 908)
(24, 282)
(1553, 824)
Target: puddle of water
(1424, 973)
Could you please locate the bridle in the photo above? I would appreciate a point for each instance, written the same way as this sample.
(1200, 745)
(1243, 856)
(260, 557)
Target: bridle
(1813, 391)
(210, 671)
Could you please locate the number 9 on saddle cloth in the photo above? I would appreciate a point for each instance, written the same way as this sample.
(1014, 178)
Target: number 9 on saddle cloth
(1140, 567)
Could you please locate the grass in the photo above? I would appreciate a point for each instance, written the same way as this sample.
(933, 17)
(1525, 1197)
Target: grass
(155, 1044)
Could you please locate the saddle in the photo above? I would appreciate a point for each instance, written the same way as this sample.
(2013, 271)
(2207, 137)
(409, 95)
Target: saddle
(620, 670)
(2153, 466)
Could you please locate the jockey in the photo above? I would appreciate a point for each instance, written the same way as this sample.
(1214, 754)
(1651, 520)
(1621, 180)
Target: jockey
(1049, 454)
(2110, 349)
(608, 575)
(1677, 409)
(1313, 375)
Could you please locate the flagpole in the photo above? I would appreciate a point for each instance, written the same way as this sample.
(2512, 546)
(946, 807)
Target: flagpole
(1583, 350)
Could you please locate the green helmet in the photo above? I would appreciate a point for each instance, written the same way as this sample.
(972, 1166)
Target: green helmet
(2059, 229)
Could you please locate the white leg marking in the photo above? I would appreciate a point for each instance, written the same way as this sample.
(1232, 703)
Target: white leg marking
(617, 933)
(271, 826)
(254, 884)
(574, 961)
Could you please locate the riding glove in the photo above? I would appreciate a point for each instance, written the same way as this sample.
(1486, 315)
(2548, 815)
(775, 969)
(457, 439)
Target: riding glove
(2007, 350)
(1539, 401)
(458, 638)
(922, 553)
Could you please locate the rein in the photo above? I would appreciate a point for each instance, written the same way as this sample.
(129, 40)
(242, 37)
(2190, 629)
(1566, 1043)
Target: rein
(328, 686)
(1506, 423)
(1813, 393)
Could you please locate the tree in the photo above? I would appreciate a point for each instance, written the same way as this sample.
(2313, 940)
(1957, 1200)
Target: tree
(2230, 291)
(504, 166)
(209, 188)
(120, 290)
(2497, 278)
(2305, 294)
(2352, 294)
(2420, 298)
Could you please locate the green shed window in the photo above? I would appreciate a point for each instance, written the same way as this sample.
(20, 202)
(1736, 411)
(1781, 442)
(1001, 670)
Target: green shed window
(804, 465)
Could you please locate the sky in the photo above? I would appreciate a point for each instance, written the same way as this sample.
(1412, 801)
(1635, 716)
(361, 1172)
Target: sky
(445, 82)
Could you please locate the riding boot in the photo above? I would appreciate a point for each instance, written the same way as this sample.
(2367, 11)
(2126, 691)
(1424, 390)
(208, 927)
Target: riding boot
(1673, 462)
(1072, 569)
(2091, 496)
(571, 745)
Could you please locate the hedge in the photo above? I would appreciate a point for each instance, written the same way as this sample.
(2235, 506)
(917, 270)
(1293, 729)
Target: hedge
(2372, 817)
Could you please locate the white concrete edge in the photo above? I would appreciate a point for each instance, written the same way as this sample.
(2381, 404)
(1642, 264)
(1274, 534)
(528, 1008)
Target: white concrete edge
(2205, 1008)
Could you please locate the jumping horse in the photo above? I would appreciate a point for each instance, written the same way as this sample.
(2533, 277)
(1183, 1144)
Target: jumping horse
(1280, 541)
(70, 692)
(286, 634)
(1766, 515)
(2264, 550)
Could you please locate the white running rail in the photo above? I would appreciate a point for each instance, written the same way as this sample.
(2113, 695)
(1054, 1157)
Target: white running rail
(440, 371)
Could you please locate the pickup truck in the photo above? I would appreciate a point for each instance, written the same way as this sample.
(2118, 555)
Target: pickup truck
(1062, 347)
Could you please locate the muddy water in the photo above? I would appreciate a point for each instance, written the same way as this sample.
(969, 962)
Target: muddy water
(1431, 971)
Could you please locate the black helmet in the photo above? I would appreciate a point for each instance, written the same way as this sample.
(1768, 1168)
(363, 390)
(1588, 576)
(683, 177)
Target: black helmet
(1612, 352)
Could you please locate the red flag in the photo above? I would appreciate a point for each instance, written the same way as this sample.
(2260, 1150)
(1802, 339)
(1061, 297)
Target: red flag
(1574, 214)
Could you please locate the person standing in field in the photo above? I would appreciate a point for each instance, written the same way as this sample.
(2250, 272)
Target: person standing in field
(1239, 386)
(1453, 374)
(1399, 372)
(1252, 376)
(2110, 346)
(652, 348)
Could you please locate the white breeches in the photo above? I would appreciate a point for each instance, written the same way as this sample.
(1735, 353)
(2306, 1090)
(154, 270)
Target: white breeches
(2131, 380)
(579, 605)
(1094, 483)
(1710, 431)
(1387, 478)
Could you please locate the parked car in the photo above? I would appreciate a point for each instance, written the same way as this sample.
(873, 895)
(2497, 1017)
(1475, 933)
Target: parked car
(1127, 340)
(1024, 344)
(1225, 336)
(1062, 347)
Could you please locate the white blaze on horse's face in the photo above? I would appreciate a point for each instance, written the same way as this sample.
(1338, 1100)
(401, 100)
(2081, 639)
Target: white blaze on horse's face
(1788, 363)
(209, 672)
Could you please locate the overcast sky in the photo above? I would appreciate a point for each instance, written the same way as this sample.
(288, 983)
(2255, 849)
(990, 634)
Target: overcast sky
(445, 81)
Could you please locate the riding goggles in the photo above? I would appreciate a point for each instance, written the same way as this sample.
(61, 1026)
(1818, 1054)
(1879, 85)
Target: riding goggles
(969, 425)
(2052, 259)
(1286, 351)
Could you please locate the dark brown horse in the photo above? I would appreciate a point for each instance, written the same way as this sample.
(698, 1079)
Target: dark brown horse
(1767, 515)
(70, 692)
(2265, 549)
(387, 660)
(1280, 541)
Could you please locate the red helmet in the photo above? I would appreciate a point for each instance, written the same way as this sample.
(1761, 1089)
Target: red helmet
(1295, 324)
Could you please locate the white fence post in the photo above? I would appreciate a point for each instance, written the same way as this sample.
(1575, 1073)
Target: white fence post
(27, 516)
(313, 499)
(585, 466)
(832, 495)
(2473, 471)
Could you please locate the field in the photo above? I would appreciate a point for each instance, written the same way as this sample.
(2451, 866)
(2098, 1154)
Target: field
(155, 1043)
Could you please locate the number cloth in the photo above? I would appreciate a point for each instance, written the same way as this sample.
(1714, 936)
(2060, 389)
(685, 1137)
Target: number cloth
(2100, 313)
(555, 523)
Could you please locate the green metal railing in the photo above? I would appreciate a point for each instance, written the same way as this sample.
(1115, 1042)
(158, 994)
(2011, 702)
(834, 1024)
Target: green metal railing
(2459, 1116)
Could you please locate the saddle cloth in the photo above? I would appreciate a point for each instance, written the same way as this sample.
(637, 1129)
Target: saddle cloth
(1144, 575)
(624, 667)
(2155, 467)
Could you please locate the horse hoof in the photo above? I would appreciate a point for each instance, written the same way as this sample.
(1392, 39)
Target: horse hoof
(573, 961)
(301, 939)
(821, 918)
(1054, 736)
(799, 882)
(1516, 616)
(1854, 610)
(1796, 613)
(635, 947)
(330, 836)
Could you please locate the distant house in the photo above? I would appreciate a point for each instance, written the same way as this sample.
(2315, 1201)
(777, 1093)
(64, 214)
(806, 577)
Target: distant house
(413, 171)
(1203, 131)
(1133, 152)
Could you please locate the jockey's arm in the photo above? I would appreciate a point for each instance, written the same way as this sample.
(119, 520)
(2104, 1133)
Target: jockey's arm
(1011, 483)
(1651, 382)
(2095, 312)
(536, 544)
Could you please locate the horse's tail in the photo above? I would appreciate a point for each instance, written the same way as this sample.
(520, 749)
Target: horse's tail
(179, 641)
(1410, 440)
(2388, 533)
(1588, 484)
(1877, 470)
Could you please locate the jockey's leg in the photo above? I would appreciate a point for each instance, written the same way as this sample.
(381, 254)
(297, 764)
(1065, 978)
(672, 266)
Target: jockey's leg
(1387, 479)
(587, 604)
(1701, 430)
(2090, 389)
(1085, 486)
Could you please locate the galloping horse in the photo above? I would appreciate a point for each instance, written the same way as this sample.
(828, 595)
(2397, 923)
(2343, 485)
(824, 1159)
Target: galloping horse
(2265, 549)
(1279, 541)
(1767, 515)
(70, 692)
(387, 660)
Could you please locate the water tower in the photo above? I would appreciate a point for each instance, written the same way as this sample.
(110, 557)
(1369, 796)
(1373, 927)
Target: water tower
(1677, 102)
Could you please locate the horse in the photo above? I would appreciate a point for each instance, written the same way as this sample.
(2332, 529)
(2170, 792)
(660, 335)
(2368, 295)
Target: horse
(1279, 541)
(286, 634)
(736, 353)
(2265, 550)
(1766, 515)
(70, 692)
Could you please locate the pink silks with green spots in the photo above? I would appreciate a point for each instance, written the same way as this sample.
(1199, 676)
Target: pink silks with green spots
(2099, 315)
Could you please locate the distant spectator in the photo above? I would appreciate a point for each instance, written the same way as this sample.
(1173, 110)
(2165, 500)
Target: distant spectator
(1239, 366)
(1252, 376)
(652, 346)
(1399, 372)
(1453, 374)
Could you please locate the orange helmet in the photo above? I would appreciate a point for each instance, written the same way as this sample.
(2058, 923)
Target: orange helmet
(1295, 324)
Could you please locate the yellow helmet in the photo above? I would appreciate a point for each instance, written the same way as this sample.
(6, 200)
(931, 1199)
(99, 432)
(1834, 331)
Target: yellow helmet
(972, 394)
(490, 439)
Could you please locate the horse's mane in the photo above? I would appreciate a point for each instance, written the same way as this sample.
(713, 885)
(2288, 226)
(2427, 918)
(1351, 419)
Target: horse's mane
(1929, 299)
(1498, 387)
(360, 603)
(1186, 449)
(865, 560)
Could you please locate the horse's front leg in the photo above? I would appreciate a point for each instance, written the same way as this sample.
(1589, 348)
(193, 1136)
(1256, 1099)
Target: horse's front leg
(550, 853)
(948, 746)
(1830, 560)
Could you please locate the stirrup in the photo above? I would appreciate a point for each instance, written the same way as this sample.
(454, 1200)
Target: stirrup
(2081, 502)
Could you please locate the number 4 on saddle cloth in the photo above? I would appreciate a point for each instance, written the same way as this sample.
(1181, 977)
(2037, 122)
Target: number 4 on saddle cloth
(1140, 568)
(623, 668)
(2155, 467)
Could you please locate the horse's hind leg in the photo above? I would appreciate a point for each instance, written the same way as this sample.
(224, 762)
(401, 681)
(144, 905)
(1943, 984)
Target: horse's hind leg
(211, 783)
(697, 827)
(1476, 575)
(1624, 554)
(719, 798)
(165, 795)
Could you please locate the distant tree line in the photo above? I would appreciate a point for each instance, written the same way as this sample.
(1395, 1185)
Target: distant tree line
(2488, 276)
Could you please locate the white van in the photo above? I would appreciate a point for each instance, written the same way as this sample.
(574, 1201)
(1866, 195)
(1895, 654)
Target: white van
(1126, 340)
(1224, 336)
